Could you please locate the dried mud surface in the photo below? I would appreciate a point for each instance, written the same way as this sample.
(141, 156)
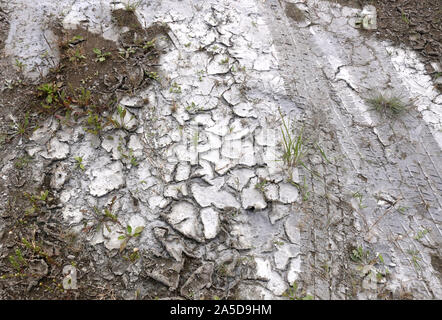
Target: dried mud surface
(156, 172)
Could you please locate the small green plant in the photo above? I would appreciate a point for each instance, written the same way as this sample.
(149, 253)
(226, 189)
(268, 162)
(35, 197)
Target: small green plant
(292, 293)
(51, 92)
(404, 17)
(359, 196)
(359, 254)
(293, 145)
(101, 55)
(195, 138)
(261, 184)
(21, 128)
(153, 75)
(133, 256)
(22, 162)
(415, 258)
(149, 44)
(77, 56)
(421, 233)
(175, 88)
(79, 163)
(94, 123)
(20, 65)
(17, 260)
(83, 97)
(129, 235)
(224, 61)
(131, 6)
(125, 53)
(37, 249)
(389, 105)
(365, 257)
(193, 107)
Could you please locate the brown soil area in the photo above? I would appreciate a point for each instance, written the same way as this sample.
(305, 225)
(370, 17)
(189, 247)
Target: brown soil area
(35, 245)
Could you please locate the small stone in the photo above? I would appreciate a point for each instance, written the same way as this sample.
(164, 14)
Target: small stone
(245, 110)
(210, 220)
(283, 255)
(182, 171)
(288, 193)
(294, 270)
(56, 150)
(271, 192)
(278, 212)
(292, 229)
(107, 179)
(253, 199)
(239, 178)
(206, 196)
(132, 102)
(183, 218)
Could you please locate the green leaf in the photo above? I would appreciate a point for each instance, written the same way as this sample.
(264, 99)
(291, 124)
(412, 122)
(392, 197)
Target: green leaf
(97, 51)
(129, 229)
(381, 258)
(121, 237)
(123, 245)
(138, 231)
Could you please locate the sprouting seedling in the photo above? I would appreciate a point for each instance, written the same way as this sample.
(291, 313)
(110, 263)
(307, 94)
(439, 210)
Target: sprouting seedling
(51, 92)
(175, 88)
(23, 126)
(224, 61)
(195, 138)
(129, 6)
(20, 65)
(101, 55)
(149, 44)
(153, 75)
(261, 184)
(293, 146)
(43, 195)
(421, 233)
(359, 196)
(121, 112)
(415, 258)
(129, 235)
(79, 162)
(77, 56)
(292, 293)
(125, 53)
(17, 260)
(387, 104)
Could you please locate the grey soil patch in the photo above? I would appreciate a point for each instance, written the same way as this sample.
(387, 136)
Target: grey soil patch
(294, 12)
(4, 26)
(436, 262)
(417, 24)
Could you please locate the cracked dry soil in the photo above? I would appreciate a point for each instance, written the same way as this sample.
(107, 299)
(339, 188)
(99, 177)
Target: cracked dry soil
(152, 168)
